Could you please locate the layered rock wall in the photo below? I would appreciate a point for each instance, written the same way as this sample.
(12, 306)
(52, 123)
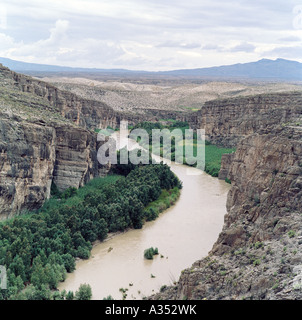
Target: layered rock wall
(76, 157)
(27, 154)
(227, 122)
(32, 156)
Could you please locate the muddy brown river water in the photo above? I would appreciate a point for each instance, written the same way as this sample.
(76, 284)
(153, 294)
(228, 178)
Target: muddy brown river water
(183, 234)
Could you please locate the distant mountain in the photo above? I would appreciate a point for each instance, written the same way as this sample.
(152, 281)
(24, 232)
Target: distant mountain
(25, 67)
(264, 69)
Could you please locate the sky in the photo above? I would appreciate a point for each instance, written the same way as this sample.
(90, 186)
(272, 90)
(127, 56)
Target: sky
(153, 35)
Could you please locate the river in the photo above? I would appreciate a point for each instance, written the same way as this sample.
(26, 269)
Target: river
(183, 234)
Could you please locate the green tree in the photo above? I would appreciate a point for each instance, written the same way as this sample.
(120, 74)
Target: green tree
(17, 267)
(69, 295)
(136, 212)
(84, 292)
(38, 276)
(69, 262)
(101, 229)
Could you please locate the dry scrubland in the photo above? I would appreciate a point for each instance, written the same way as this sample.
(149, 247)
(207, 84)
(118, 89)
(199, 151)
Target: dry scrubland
(181, 95)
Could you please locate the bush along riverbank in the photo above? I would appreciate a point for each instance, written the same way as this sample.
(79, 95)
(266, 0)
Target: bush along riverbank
(213, 153)
(39, 248)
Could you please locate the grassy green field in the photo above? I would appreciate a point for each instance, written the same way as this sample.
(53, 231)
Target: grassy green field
(213, 156)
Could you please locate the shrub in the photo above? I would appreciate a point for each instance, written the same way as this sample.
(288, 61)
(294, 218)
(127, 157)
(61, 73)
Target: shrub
(150, 252)
(227, 180)
(258, 245)
(151, 214)
(70, 192)
(83, 253)
(69, 295)
(54, 191)
(84, 292)
(163, 288)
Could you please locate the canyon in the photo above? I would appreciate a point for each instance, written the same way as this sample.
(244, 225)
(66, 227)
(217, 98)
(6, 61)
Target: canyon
(47, 135)
(258, 253)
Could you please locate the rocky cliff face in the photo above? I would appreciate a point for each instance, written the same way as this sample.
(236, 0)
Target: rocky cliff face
(227, 122)
(32, 156)
(44, 139)
(27, 153)
(258, 253)
(76, 157)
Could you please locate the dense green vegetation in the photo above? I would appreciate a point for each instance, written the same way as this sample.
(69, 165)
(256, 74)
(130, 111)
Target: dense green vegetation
(173, 124)
(165, 201)
(39, 248)
(213, 153)
(213, 156)
(150, 252)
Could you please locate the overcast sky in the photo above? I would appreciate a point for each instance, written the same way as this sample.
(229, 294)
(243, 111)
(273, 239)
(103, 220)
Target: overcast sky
(150, 34)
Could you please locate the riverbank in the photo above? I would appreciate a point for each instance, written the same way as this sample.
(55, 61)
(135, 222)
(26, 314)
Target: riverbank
(166, 200)
(182, 233)
(257, 256)
(40, 247)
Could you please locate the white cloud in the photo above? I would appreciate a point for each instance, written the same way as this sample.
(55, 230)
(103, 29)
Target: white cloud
(214, 47)
(59, 48)
(288, 52)
(6, 42)
(291, 39)
(153, 35)
(243, 47)
(175, 44)
(46, 47)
